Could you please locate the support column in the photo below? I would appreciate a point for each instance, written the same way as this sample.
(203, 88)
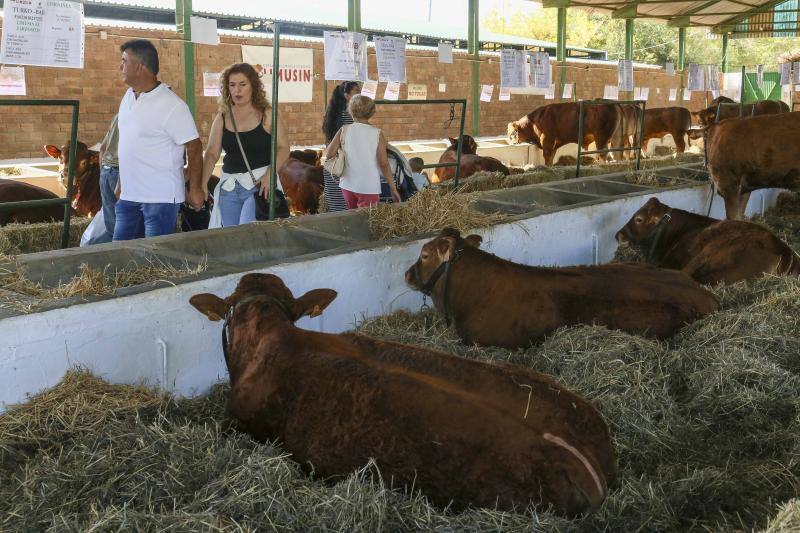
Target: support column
(681, 59)
(629, 50)
(183, 14)
(354, 15)
(725, 53)
(561, 49)
(473, 45)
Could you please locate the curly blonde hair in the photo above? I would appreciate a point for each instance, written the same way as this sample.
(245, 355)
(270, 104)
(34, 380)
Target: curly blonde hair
(259, 97)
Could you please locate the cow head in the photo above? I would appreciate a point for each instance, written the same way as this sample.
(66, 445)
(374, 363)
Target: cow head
(642, 224)
(469, 145)
(437, 252)
(522, 131)
(270, 293)
(705, 117)
(308, 156)
(85, 159)
(86, 182)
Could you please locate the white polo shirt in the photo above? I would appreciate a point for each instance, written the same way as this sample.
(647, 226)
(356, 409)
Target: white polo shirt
(152, 131)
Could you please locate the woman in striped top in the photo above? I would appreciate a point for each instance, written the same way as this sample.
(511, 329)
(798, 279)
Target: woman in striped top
(337, 116)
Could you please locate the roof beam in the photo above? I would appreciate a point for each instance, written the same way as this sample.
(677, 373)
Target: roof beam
(760, 9)
(627, 12)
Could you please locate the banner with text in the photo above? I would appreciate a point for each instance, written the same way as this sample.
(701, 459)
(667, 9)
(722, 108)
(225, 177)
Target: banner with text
(391, 58)
(295, 74)
(345, 56)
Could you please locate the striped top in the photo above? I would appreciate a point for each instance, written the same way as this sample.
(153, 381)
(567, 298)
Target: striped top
(332, 192)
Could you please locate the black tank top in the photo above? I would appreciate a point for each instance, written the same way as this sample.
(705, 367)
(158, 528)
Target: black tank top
(257, 144)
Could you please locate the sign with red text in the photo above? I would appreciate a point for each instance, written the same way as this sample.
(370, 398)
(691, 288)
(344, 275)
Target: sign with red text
(345, 56)
(295, 74)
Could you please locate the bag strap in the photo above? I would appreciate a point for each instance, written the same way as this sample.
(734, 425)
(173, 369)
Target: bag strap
(241, 148)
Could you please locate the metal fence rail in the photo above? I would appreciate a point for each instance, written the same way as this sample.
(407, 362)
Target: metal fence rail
(581, 113)
(73, 138)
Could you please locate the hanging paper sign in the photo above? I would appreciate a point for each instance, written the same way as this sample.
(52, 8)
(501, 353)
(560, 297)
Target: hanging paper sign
(417, 92)
(611, 92)
(370, 88)
(673, 94)
(669, 68)
(566, 94)
(550, 92)
(696, 78)
(760, 75)
(445, 52)
(625, 75)
(786, 73)
(345, 56)
(442, 87)
(391, 54)
(712, 78)
(12, 81)
(732, 84)
(714, 94)
(295, 75)
(505, 94)
(392, 91)
(541, 70)
(687, 95)
(45, 33)
(644, 94)
(512, 69)
(211, 83)
(486, 93)
(796, 72)
(204, 31)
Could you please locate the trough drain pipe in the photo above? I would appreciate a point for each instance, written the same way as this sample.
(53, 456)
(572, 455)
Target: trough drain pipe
(164, 367)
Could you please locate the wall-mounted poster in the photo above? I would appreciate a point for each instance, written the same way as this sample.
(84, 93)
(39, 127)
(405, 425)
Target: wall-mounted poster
(513, 72)
(45, 33)
(12, 81)
(345, 56)
(445, 52)
(391, 58)
(417, 91)
(625, 75)
(486, 93)
(211, 83)
(295, 75)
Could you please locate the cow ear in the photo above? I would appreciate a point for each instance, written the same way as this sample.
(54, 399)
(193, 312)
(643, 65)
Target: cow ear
(313, 303)
(474, 240)
(445, 247)
(210, 305)
(52, 151)
(453, 142)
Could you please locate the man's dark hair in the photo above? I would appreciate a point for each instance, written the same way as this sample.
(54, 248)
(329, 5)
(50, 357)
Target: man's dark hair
(144, 51)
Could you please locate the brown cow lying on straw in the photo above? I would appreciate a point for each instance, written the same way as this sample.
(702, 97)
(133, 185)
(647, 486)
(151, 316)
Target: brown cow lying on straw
(461, 431)
(707, 249)
(495, 302)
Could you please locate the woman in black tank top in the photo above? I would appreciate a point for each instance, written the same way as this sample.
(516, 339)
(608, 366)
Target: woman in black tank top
(242, 99)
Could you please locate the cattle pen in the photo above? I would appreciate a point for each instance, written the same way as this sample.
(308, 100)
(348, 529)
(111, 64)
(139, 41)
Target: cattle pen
(116, 393)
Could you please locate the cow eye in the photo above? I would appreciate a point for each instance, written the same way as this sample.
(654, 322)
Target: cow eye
(638, 220)
(423, 256)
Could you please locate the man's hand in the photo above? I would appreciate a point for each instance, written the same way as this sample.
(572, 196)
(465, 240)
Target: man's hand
(196, 198)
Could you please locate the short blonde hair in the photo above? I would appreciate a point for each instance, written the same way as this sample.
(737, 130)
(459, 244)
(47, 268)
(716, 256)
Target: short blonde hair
(361, 106)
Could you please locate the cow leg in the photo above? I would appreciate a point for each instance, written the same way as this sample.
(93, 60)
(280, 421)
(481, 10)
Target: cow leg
(680, 143)
(735, 205)
(645, 145)
(548, 150)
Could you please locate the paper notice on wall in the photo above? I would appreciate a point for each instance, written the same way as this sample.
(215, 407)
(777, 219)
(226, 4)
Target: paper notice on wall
(642, 93)
(513, 68)
(370, 88)
(417, 91)
(204, 31)
(345, 56)
(505, 94)
(442, 87)
(566, 94)
(392, 91)
(486, 93)
(669, 69)
(550, 92)
(786, 73)
(211, 83)
(46, 33)
(12, 81)
(541, 70)
(611, 92)
(445, 52)
(712, 78)
(760, 75)
(625, 75)
(295, 75)
(732, 84)
(673, 94)
(391, 58)
(796, 72)
(687, 95)
(696, 78)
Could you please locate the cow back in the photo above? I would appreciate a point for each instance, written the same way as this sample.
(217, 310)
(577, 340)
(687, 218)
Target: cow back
(16, 191)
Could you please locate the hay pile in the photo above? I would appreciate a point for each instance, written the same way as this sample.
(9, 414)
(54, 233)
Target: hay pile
(30, 238)
(10, 171)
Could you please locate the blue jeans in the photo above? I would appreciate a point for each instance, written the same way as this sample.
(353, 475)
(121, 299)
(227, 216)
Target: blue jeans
(108, 182)
(237, 206)
(136, 220)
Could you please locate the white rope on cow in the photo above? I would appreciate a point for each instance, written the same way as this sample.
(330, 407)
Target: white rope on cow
(564, 444)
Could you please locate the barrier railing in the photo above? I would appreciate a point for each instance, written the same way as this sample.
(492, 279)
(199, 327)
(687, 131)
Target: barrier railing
(460, 137)
(73, 138)
(581, 114)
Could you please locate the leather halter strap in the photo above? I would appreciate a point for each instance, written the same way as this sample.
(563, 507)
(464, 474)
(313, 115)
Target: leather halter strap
(227, 338)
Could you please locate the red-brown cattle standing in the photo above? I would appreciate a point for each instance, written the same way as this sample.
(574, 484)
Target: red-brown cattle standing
(471, 162)
(555, 125)
(461, 431)
(662, 121)
(708, 116)
(16, 191)
(495, 302)
(753, 153)
(302, 181)
(707, 249)
(86, 198)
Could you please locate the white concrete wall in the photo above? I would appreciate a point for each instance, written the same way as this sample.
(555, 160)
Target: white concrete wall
(158, 338)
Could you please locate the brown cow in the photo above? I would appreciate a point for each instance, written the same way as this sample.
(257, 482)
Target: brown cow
(707, 249)
(302, 182)
(753, 153)
(86, 200)
(662, 121)
(471, 162)
(496, 302)
(463, 432)
(555, 125)
(17, 191)
(708, 116)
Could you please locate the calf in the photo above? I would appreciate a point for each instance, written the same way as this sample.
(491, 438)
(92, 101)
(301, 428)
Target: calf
(707, 249)
(495, 302)
(302, 182)
(17, 191)
(86, 200)
(463, 432)
(753, 153)
(471, 162)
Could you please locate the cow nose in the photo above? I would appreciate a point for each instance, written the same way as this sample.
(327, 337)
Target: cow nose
(620, 237)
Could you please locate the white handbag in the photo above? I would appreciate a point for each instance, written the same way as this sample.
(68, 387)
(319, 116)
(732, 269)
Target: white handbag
(335, 165)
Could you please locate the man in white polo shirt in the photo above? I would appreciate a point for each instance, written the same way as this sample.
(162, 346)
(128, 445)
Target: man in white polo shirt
(155, 128)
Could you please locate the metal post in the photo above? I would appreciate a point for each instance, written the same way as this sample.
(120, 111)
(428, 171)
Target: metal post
(580, 140)
(183, 16)
(473, 45)
(73, 145)
(725, 53)
(460, 141)
(273, 167)
(354, 15)
(641, 137)
(629, 49)
(681, 57)
(561, 50)
(741, 95)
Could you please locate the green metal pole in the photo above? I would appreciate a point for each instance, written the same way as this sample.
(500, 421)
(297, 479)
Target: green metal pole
(183, 16)
(273, 167)
(354, 15)
(629, 49)
(741, 95)
(473, 46)
(73, 147)
(561, 50)
(681, 58)
(725, 53)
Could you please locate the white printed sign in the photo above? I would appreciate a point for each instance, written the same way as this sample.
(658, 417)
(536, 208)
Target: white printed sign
(669, 69)
(566, 94)
(642, 93)
(550, 92)
(796, 72)
(786, 73)
(442, 87)
(391, 58)
(687, 95)
(486, 93)
(696, 77)
(505, 94)
(611, 92)
(417, 92)
(392, 91)
(345, 56)
(12, 81)
(45, 33)
(760, 75)
(211, 83)
(732, 84)
(513, 69)
(295, 75)
(370, 88)
(673, 94)
(204, 31)
(625, 75)
(541, 70)
(445, 52)
(712, 78)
